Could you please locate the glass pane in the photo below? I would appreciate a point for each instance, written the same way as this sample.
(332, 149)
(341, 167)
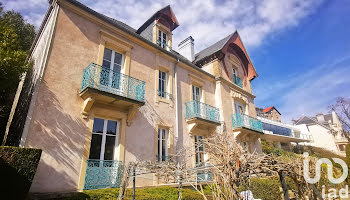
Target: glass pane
(98, 125)
(107, 54)
(116, 68)
(111, 127)
(109, 148)
(163, 149)
(95, 148)
(106, 64)
(118, 58)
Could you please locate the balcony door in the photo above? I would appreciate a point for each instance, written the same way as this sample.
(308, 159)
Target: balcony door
(196, 97)
(112, 66)
(104, 140)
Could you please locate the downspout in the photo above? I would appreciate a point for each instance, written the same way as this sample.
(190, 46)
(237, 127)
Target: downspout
(177, 108)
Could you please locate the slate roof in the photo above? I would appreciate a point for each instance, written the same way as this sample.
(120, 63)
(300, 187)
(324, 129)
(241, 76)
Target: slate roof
(212, 49)
(128, 29)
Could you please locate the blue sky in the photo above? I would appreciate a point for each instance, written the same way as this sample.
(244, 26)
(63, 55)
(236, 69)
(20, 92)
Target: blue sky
(300, 48)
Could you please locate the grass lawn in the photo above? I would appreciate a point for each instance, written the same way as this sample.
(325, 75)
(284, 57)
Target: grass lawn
(163, 193)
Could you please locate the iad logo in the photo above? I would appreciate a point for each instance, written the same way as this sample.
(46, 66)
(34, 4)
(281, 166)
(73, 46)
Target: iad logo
(332, 192)
(329, 170)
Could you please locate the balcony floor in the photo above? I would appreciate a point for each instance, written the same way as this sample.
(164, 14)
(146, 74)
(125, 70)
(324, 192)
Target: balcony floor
(109, 98)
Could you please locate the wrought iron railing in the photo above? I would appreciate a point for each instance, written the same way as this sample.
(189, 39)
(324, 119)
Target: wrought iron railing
(242, 120)
(238, 81)
(107, 80)
(102, 174)
(164, 94)
(201, 110)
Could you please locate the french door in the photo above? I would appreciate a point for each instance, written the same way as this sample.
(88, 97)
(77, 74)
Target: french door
(112, 65)
(196, 96)
(162, 144)
(104, 139)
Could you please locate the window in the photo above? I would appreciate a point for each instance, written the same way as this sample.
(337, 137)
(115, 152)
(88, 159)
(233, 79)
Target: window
(196, 93)
(112, 65)
(239, 108)
(162, 86)
(162, 39)
(162, 144)
(234, 74)
(199, 150)
(104, 139)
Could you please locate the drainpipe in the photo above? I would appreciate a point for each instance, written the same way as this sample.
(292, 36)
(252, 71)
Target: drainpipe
(177, 108)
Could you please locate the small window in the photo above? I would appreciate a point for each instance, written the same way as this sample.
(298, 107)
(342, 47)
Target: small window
(162, 39)
(196, 93)
(234, 73)
(104, 139)
(199, 150)
(162, 85)
(162, 144)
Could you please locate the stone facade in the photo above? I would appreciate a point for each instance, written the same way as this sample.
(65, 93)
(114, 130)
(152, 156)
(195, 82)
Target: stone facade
(62, 117)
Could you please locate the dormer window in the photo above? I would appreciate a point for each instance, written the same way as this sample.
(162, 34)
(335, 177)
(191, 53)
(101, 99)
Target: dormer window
(162, 39)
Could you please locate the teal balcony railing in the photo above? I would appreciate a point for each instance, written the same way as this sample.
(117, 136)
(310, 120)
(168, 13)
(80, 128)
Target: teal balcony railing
(104, 79)
(201, 110)
(238, 81)
(242, 120)
(102, 174)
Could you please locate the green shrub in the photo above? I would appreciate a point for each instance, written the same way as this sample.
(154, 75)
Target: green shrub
(264, 188)
(268, 148)
(347, 159)
(17, 170)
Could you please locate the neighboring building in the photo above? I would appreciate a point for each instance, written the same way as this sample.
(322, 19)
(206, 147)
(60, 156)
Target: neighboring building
(280, 134)
(103, 93)
(326, 130)
(269, 113)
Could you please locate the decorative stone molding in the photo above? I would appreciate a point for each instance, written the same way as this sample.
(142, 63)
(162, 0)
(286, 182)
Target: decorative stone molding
(237, 95)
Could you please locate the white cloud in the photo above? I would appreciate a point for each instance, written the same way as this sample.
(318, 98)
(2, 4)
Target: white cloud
(310, 92)
(206, 20)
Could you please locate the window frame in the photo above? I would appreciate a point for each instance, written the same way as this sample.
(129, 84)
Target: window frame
(164, 93)
(104, 136)
(199, 154)
(160, 139)
(162, 42)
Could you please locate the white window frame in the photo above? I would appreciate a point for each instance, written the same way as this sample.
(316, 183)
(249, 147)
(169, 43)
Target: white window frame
(161, 38)
(198, 153)
(104, 135)
(165, 89)
(160, 140)
(111, 66)
(196, 96)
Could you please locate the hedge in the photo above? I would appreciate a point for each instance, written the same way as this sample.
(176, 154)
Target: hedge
(157, 193)
(17, 170)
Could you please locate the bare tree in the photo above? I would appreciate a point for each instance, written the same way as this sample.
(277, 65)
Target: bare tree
(342, 108)
(230, 166)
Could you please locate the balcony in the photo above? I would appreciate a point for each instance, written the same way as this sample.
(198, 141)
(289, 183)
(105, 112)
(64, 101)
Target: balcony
(244, 121)
(281, 132)
(110, 87)
(238, 81)
(102, 174)
(202, 118)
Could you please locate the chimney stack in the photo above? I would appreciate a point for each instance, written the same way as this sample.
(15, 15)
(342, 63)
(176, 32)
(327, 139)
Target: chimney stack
(186, 48)
(320, 117)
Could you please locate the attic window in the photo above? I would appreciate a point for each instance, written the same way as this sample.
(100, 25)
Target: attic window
(162, 39)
